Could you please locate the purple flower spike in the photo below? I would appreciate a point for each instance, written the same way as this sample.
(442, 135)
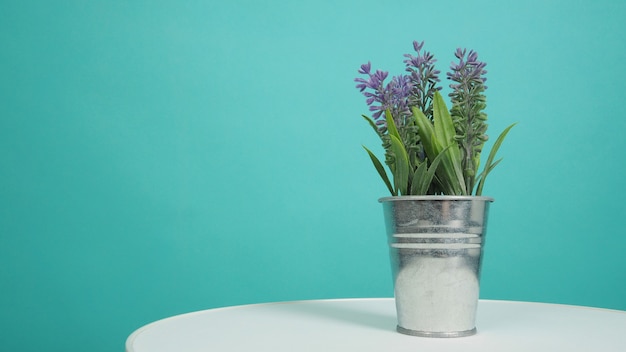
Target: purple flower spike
(365, 68)
(467, 72)
(417, 46)
(468, 103)
(381, 97)
(423, 77)
(381, 75)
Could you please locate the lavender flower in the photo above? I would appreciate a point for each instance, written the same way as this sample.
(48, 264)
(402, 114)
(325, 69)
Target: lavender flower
(399, 89)
(380, 97)
(468, 72)
(423, 77)
(468, 103)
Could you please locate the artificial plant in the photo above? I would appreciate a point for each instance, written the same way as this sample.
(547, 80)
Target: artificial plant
(429, 148)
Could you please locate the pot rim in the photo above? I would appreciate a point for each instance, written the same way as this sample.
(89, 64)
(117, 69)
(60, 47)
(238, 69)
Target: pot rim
(434, 198)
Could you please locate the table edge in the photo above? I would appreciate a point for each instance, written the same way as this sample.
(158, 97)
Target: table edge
(131, 338)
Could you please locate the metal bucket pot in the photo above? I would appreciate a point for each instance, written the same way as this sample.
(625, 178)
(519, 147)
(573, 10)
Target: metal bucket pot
(435, 247)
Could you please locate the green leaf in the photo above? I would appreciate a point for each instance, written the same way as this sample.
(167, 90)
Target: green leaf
(489, 165)
(401, 172)
(373, 124)
(483, 175)
(424, 176)
(433, 148)
(443, 125)
(445, 133)
(431, 171)
(426, 132)
(492, 166)
(391, 126)
(418, 178)
(381, 171)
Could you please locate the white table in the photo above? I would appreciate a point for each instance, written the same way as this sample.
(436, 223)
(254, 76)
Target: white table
(363, 325)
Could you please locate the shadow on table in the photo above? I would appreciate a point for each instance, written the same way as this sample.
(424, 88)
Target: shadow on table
(350, 313)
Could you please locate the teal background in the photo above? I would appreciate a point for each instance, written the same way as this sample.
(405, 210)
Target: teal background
(161, 157)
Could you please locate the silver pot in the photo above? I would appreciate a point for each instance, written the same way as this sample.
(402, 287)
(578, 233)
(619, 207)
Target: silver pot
(435, 247)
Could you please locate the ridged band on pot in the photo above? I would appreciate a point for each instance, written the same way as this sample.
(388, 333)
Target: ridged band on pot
(435, 248)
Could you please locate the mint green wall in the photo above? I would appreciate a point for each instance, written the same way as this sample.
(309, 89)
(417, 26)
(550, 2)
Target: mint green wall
(161, 157)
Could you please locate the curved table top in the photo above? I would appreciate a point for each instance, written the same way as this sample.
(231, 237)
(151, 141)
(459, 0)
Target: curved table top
(369, 325)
